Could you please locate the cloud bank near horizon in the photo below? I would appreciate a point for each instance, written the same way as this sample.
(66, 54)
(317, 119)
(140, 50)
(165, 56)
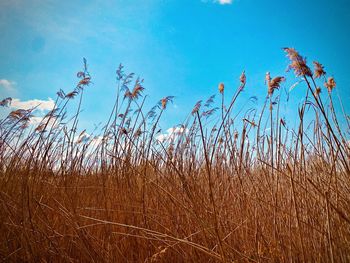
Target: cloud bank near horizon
(43, 105)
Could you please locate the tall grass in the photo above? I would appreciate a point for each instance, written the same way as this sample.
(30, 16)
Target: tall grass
(207, 193)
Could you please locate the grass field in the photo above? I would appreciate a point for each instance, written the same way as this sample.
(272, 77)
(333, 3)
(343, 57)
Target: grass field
(205, 193)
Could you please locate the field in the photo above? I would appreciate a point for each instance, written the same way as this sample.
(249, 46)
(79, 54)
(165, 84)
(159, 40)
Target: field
(204, 193)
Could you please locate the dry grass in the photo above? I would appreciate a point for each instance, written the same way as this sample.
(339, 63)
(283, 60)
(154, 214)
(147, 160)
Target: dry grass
(206, 194)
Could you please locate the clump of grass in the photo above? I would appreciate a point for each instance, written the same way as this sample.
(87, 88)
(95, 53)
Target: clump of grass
(208, 192)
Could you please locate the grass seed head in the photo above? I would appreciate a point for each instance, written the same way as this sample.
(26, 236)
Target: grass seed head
(274, 84)
(330, 84)
(221, 87)
(298, 63)
(318, 70)
(243, 78)
(317, 91)
(196, 107)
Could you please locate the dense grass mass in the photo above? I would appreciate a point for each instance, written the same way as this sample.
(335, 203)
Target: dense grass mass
(203, 193)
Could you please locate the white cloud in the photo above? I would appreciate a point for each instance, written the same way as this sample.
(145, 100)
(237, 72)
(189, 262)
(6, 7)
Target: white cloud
(29, 104)
(162, 137)
(7, 84)
(171, 134)
(97, 140)
(36, 120)
(83, 137)
(224, 2)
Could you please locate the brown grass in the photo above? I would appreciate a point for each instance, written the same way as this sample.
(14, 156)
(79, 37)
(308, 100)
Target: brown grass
(207, 194)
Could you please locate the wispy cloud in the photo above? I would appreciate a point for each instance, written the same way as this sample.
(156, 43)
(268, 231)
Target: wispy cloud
(7, 84)
(220, 2)
(223, 2)
(42, 105)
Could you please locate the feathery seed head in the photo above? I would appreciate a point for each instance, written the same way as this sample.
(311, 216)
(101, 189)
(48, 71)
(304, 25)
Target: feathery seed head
(71, 95)
(136, 92)
(221, 87)
(196, 107)
(127, 94)
(317, 91)
(274, 84)
(243, 78)
(319, 70)
(298, 63)
(18, 114)
(165, 101)
(330, 84)
(84, 82)
(292, 54)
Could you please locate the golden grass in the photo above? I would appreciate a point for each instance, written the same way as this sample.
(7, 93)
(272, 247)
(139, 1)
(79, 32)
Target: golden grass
(207, 194)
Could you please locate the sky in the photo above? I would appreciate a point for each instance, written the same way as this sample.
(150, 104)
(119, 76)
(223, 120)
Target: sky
(183, 48)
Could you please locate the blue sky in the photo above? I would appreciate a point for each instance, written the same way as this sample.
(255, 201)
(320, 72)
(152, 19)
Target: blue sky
(180, 47)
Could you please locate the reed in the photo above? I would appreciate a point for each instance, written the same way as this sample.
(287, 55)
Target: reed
(206, 192)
